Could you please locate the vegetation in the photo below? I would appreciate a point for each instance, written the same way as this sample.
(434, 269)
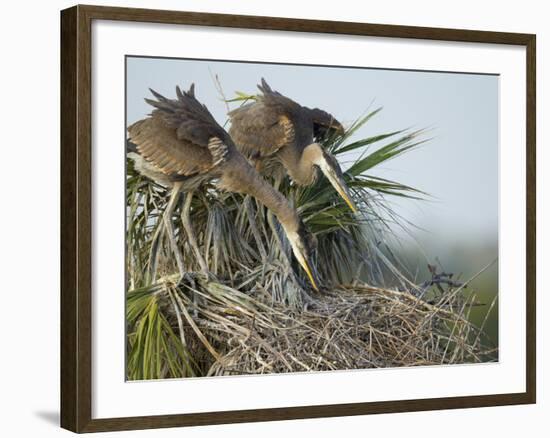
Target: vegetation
(256, 312)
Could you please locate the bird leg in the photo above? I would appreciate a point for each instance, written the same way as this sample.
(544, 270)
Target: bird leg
(186, 220)
(165, 224)
(167, 218)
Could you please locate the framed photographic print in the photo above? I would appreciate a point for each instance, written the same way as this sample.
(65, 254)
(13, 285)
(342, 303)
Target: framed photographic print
(268, 218)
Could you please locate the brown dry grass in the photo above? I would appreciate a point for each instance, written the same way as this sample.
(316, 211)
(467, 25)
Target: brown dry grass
(228, 332)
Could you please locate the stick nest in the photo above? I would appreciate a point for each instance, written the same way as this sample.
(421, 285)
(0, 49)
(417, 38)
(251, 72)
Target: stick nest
(228, 332)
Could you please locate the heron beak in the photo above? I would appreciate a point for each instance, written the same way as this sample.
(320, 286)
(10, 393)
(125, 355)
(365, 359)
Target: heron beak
(308, 267)
(337, 181)
(304, 259)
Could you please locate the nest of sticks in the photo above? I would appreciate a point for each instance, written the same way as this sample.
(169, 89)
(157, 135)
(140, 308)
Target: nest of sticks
(256, 313)
(357, 326)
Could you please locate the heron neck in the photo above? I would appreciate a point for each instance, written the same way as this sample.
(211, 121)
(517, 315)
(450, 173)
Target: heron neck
(300, 164)
(244, 179)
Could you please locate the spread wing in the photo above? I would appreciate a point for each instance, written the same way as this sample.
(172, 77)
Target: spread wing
(261, 128)
(324, 123)
(180, 137)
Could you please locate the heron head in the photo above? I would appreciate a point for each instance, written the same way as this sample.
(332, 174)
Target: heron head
(303, 245)
(330, 167)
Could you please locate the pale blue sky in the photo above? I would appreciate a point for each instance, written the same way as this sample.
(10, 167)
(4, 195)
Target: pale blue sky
(458, 167)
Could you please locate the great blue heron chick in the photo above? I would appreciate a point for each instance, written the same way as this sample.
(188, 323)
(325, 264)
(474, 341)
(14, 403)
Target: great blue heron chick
(182, 144)
(275, 130)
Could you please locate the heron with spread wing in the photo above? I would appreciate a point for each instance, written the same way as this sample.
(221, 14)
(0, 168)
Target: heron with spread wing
(280, 135)
(181, 145)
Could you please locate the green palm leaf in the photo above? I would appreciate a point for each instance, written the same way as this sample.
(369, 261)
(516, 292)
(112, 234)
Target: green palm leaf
(243, 253)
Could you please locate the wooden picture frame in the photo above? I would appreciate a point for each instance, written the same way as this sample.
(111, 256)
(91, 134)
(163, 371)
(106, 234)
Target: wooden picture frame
(76, 217)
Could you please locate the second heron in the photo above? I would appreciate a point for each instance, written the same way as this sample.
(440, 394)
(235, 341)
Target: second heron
(281, 135)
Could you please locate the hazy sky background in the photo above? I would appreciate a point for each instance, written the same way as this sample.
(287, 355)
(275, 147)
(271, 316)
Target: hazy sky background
(458, 167)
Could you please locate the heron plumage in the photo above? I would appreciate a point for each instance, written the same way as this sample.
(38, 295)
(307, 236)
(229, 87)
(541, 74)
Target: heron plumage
(261, 128)
(181, 138)
(159, 145)
(275, 131)
(258, 131)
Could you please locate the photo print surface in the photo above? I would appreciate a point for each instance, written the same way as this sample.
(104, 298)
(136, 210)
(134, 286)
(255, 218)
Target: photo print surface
(298, 218)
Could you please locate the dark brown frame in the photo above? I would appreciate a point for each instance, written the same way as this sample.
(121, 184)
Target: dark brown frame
(76, 238)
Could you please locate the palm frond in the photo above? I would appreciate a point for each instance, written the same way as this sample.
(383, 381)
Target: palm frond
(186, 330)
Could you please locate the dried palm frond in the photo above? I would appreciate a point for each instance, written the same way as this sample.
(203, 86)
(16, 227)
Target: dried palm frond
(256, 314)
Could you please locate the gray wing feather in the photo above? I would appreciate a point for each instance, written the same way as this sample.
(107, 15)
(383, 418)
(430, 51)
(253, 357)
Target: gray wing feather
(178, 135)
(261, 128)
(191, 119)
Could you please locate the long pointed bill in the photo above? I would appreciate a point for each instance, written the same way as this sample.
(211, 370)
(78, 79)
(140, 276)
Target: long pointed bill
(304, 260)
(309, 271)
(340, 186)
